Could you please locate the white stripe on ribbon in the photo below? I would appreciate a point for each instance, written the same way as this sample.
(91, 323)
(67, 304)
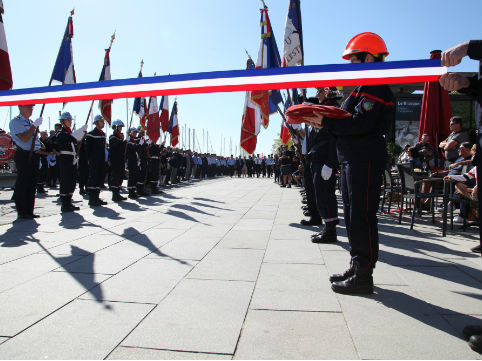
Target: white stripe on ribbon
(226, 84)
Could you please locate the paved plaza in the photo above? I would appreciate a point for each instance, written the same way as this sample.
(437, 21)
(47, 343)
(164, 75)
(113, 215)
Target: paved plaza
(221, 269)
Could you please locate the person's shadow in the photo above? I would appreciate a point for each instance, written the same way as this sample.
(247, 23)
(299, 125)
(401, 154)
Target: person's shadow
(20, 233)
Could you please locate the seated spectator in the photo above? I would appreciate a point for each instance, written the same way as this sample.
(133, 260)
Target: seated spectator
(298, 176)
(413, 158)
(465, 154)
(457, 136)
(426, 152)
(403, 157)
(464, 190)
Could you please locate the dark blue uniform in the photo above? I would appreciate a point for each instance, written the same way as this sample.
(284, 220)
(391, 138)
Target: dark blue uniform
(133, 164)
(95, 150)
(66, 145)
(117, 148)
(322, 151)
(362, 151)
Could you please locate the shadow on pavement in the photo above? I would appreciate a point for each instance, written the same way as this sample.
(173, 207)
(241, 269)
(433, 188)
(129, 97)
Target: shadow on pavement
(105, 212)
(191, 209)
(414, 307)
(207, 200)
(142, 240)
(210, 206)
(19, 234)
(182, 215)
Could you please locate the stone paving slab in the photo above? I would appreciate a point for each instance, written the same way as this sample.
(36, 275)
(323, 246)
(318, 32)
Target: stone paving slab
(24, 305)
(82, 329)
(137, 353)
(229, 264)
(146, 281)
(198, 315)
(188, 248)
(245, 239)
(295, 287)
(295, 335)
(293, 251)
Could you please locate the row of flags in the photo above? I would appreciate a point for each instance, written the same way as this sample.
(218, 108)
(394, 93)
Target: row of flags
(64, 73)
(259, 104)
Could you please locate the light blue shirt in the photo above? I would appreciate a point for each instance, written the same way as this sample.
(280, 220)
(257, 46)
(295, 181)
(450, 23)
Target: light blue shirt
(231, 161)
(19, 125)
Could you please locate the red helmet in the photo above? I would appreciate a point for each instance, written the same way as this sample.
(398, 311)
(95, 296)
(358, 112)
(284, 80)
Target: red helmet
(365, 42)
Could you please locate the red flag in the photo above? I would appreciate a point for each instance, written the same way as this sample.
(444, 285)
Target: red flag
(105, 106)
(250, 124)
(143, 114)
(164, 115)
(153, 123)
(174, 126)
(285, 134)
(5, 70)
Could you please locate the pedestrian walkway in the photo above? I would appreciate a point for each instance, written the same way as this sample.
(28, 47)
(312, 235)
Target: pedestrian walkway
(221, 269)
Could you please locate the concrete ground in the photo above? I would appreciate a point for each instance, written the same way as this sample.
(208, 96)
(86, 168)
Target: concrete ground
(221, 269)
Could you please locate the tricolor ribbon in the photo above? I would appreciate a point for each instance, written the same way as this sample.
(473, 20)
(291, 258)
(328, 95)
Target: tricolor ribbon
(395, 72)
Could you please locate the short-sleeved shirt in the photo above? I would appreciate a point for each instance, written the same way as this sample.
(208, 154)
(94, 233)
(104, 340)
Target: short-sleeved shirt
(19, 125)
(460, 137)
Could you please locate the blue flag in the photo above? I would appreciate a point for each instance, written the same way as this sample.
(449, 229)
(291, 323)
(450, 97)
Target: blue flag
(64, 71)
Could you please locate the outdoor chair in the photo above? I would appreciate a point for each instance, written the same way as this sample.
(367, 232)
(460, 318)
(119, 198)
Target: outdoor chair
(391, 185)
(449, 196)
(411, 192)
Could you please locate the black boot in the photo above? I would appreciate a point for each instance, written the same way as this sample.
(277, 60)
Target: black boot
(93, 202)
(343, 277)
(360, 283)
(66, 206)
(141, 192)
(475, 343)
(327, 235)
(132, 194)
(116, 197)
(74, 208)
(471, 330)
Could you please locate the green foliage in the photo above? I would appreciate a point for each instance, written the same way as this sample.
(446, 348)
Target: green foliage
(394, 150)
(277, 143)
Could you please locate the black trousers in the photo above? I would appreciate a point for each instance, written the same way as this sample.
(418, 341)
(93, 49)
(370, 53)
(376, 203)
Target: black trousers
(67, 175)
(310, 191)
(154, 172)
(133, 177)
(43, 172)
(325, 193)
(116, 176)
(96, 175)
(83, 173)
(26, 182)
(361, 186)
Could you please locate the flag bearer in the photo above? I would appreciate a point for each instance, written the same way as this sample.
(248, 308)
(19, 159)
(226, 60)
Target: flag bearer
(117, 147)
(143, 156)
(154, 161)
(95, 150)
(133, 162)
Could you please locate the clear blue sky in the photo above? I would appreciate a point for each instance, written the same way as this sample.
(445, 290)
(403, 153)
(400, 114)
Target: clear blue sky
(186, 36)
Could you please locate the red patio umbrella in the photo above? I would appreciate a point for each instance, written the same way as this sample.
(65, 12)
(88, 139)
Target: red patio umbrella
(436, 110)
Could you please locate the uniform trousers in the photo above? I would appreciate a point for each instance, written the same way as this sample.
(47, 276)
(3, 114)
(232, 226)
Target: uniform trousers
(26, 182)
(68, 171)
(324, 193)
(116, 175)
(96, 175)
(310, 191)
(361, 186)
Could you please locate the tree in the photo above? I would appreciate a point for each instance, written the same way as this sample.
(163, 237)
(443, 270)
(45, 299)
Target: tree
(277, 143)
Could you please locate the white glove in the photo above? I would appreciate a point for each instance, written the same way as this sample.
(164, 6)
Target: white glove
(326, 172)
(128, 138)
(141, 141)
(38, 122)
(149, 141)
(79, 133)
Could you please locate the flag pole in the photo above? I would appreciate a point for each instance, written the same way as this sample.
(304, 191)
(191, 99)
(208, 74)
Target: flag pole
(132, 114)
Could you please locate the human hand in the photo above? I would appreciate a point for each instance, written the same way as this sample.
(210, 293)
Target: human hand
(128, 137)
(149, 141)
(141, 141)
(447, 177)
(454, 55)
(326, 172)
(38, 122)
(83, 128)
(453, 81)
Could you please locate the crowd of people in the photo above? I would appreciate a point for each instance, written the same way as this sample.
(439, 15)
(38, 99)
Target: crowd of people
(353, 147)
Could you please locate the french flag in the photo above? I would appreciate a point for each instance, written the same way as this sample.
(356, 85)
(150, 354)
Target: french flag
(164, 115)
(153, 124)
(268, 57)
(140, 108)
(5, 69)
(251, 121)
(105, 106)
(64, 70)
(174, 126)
